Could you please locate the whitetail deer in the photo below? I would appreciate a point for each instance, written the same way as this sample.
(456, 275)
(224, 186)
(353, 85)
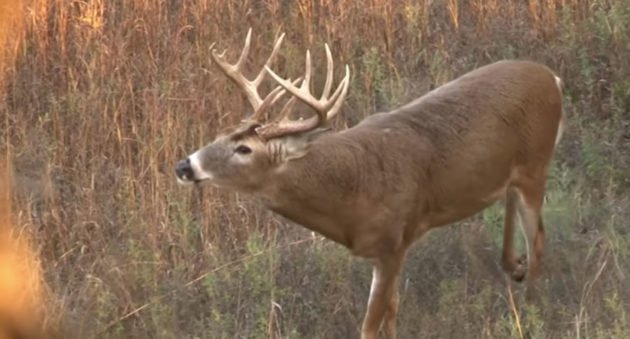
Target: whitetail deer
(377, 187)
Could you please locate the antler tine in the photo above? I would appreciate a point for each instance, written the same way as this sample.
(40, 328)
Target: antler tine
(329, 72)
(245, 51)
(274, 52)
(339, 97)
(306, 85)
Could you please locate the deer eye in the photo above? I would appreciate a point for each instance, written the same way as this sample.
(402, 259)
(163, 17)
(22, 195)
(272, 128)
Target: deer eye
(242, 149)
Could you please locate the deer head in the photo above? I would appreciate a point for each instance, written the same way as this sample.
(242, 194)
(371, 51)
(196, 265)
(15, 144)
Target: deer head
(242, 157)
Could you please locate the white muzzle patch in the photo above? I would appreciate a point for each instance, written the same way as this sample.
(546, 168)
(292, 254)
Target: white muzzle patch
(198, 173)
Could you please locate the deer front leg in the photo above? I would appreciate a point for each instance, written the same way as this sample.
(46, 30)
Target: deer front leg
(392, 310)
(383, 298)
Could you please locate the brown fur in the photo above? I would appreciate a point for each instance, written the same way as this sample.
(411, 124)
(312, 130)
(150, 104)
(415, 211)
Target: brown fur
(379, 186)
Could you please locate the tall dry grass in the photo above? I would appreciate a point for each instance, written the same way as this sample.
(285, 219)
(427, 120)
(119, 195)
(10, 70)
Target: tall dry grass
(27, 309)
(100, 98)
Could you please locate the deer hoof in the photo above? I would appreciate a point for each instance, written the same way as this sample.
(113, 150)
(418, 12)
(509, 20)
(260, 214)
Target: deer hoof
(520, 271)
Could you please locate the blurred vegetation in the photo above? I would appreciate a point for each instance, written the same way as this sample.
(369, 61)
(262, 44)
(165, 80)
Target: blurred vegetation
(100, 98)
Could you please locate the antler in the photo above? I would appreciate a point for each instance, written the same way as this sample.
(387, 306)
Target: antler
(250, 87)
(325, 107)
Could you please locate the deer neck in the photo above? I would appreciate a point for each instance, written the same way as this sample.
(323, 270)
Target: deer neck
(318, 190)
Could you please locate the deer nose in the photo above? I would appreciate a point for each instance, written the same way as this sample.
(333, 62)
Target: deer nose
(184, 170)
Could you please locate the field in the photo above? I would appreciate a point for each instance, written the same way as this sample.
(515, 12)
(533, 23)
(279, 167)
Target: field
(100, 99)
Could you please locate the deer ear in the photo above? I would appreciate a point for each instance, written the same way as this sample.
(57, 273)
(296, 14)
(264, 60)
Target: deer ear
(297, 145)
(316, 133)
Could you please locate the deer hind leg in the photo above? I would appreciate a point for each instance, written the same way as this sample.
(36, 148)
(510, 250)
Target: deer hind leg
(530, 212)
(510, 262)
(524, 206)
(383, 300)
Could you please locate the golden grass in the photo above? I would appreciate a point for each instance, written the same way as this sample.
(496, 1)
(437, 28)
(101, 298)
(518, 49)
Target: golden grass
(11, 29)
